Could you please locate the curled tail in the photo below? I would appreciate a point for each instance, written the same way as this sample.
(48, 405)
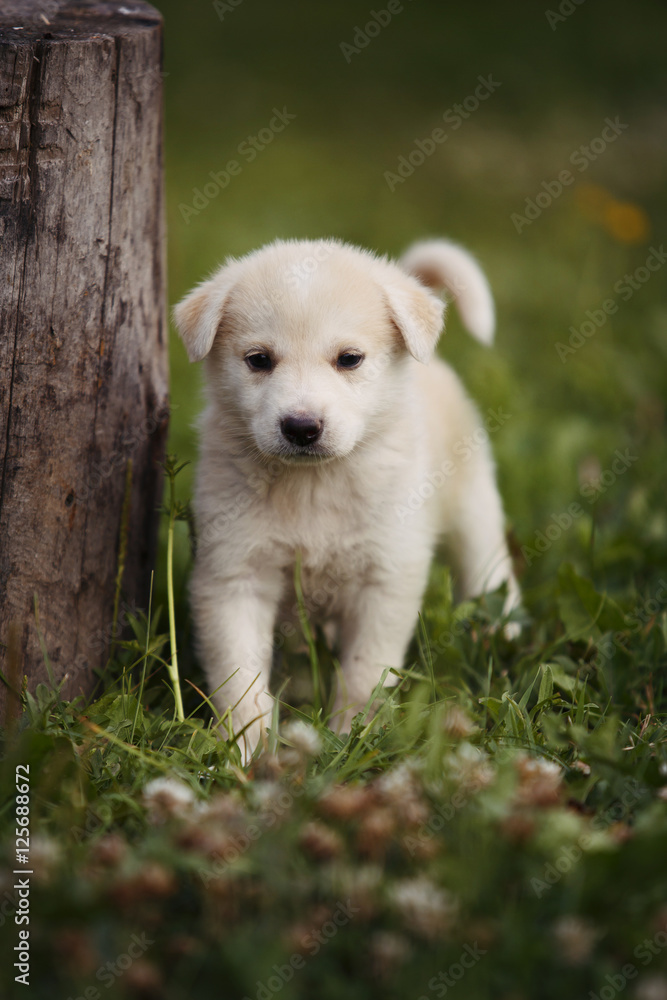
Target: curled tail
(446, 266)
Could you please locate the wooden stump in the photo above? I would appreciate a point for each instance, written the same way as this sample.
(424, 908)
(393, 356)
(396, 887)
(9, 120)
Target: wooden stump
(83, 339)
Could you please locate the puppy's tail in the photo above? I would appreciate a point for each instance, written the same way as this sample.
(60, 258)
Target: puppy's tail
(447, 267)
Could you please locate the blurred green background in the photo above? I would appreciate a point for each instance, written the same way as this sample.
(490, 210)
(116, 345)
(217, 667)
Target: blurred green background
(228, 65)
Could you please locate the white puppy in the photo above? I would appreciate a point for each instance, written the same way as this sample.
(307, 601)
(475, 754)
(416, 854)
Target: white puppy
(326, 414)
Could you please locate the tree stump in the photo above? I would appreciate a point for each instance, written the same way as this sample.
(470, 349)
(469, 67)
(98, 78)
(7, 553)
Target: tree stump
(83, 340)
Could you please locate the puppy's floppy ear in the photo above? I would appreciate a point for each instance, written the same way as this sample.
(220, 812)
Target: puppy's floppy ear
(198, 315)
(417, 313)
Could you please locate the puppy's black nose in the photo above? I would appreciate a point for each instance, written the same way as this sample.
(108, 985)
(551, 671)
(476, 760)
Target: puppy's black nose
(301, 431)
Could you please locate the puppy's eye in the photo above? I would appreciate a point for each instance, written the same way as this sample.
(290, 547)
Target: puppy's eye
(259, 362)
(349, 360)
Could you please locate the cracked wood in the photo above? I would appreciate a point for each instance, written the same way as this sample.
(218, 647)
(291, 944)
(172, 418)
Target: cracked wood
(83, 352)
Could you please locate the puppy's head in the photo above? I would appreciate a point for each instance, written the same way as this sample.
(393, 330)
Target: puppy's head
(306, 344)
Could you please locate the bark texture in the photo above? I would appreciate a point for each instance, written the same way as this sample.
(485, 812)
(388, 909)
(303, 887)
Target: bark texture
(83, 347)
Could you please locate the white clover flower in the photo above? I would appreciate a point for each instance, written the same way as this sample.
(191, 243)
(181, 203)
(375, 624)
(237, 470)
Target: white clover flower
(164, 797)
(361, 883)
(575, 938)
(652, 988)
(265, 793)
(539, 781)
(303, 737)
(470, 767)
(388, 950)
(271, 798)
(457, 723)
(535, 766)
(423, 906)
(45, 853)
(399, 782)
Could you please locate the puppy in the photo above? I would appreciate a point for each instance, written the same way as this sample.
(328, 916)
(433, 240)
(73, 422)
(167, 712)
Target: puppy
(327, 415)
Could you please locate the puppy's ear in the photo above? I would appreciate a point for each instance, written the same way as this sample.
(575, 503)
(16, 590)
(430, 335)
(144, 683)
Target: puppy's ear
(417, 313)
(199, 314)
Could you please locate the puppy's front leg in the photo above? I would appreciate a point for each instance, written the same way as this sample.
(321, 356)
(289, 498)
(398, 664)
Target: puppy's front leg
(234, 619)
(376, 629)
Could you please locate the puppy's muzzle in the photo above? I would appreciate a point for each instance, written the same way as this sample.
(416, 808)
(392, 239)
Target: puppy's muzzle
(301, 431)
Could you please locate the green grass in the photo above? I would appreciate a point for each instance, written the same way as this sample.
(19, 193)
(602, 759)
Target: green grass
(507, 805)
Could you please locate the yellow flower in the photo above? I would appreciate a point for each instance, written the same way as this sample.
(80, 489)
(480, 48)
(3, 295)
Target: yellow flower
(626, 222)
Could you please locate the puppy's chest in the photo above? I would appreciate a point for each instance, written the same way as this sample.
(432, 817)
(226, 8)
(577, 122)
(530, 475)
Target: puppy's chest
(326, 522)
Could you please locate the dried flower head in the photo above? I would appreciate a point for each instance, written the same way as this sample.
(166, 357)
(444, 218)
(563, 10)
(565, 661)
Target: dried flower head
(320, 841)
(76, 951)
(575, 939)
(167, 797)
(425, 908)
(375, 832)
(144, 978)
(362, 884)
(388, 951)
(303, 737)
(652, 988)
(151, 881)
(268, 767)
(45, 855)
(470, 767)
(399, 783)
(518, 826)
(222, 808)
(456, 723)
(539, 781)
(109, 851)
(271, 798)
(345, 802)
(589, 472)
(401, 788)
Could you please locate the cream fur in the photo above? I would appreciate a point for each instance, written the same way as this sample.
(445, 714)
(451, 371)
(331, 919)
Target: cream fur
(387, 425)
